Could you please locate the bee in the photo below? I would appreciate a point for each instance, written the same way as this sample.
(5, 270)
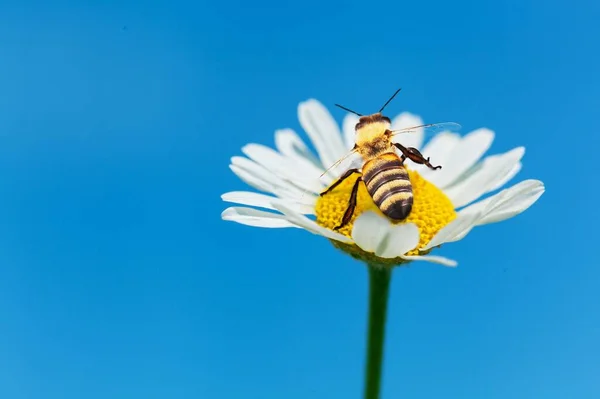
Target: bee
(383, 171)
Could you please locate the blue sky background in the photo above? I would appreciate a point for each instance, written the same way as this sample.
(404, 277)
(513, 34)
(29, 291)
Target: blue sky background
(118, 278)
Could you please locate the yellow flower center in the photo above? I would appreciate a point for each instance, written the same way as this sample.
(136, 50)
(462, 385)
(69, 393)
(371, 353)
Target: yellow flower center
(431, 211)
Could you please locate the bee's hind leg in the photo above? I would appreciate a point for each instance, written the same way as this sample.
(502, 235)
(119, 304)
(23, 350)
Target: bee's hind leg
(414, 155)
(351, 205)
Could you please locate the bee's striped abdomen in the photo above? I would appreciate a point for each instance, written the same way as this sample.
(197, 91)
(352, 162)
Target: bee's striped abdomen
(388, 184)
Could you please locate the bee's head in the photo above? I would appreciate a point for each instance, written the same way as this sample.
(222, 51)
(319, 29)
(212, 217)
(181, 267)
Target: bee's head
(376, 118)
(374, 122)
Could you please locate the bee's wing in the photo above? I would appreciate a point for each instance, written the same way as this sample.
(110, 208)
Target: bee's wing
(429, 129)
(338, 162)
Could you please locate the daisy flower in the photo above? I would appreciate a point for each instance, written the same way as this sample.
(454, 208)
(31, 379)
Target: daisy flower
(448, 203)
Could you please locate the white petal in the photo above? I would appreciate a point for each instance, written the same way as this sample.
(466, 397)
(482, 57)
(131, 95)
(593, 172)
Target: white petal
(402, 238)
(255, 217)
(322, 130)
(407, 120)
(374, 233)
(434, 259)
(463, 233)
(492, 171)
(515, 170)
(348, 125)
(482, 207)
(514, 201)
(252, 180)
(438, 149)
(310, 225)
(463, 156)
(264, 201)
(368, 230)
(279, 165)
(291, 145)
(263, 179)
(454, 231)
(261, 184)
(441, 146)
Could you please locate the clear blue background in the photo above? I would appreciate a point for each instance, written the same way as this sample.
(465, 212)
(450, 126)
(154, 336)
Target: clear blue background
(118, 279)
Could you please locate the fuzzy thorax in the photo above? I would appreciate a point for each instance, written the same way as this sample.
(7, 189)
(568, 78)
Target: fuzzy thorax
(372, 139)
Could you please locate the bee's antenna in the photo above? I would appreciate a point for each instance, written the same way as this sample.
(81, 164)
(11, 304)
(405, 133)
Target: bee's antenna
(347, 109)
(391, 98)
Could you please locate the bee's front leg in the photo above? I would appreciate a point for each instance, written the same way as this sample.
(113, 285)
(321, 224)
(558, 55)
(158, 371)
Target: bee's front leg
(414, 155)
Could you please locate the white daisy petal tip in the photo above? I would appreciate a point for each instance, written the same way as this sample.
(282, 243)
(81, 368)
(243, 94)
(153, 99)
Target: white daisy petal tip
(259, 200)
(226, 214)
(255, 218)
(492, 172)
(508, 203)
(375, 234)
(537, 186)
(322, 129)
(407, 119)
(310, 102)
(440, 260)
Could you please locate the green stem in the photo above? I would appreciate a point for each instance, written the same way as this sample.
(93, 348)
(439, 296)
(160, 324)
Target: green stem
(379, 283)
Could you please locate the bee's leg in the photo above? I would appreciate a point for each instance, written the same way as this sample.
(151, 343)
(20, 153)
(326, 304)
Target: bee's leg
(351, 205)
(340, 180)
(414, 155)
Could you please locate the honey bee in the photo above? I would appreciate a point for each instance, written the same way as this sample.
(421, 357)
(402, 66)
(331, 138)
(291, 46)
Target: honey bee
(383, 171)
